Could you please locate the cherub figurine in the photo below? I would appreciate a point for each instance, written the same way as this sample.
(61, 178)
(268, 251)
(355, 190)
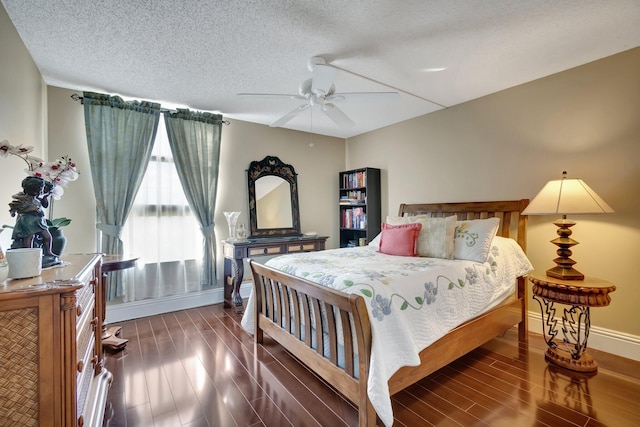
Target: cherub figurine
(27, 205)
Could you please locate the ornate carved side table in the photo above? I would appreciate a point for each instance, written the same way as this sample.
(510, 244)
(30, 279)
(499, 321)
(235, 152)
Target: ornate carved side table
(579, 296)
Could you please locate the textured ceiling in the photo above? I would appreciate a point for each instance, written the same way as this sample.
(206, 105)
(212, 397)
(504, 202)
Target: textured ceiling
(201, 54)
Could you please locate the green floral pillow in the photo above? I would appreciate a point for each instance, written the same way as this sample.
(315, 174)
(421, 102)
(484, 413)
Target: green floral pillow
(472, 238)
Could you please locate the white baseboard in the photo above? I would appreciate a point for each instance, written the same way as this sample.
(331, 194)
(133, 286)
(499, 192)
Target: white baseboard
(150, 307)
(614, 342)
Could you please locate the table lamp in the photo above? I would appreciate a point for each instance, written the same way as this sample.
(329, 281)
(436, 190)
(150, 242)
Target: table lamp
(566, 196)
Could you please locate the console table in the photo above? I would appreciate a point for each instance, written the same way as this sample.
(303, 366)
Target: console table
(235, 252)
(579, 295)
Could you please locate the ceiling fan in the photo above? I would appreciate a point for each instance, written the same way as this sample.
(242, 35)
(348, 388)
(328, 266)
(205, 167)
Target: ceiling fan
(320, 90)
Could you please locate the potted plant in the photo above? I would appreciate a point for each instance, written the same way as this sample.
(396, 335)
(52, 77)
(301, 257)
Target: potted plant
(58, 239)
(57, 175)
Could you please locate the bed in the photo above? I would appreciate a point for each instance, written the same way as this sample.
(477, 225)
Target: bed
(337, 333)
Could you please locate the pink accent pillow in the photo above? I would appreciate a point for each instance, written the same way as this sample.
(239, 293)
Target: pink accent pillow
(400, 239)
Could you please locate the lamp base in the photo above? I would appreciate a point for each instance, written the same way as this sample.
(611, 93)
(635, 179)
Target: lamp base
(564, 273)
(564, 264)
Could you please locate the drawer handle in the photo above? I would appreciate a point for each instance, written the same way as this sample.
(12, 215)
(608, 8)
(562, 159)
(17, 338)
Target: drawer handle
(94, 321)
(265, 251)
(301, 247)
(80, 421)
(80, 366)
(78, 311)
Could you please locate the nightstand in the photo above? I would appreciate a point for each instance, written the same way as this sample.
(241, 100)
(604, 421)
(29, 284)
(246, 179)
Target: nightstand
(579, 295)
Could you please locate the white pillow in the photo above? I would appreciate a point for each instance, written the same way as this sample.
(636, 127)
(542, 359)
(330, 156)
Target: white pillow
(376, 241)
(472, 238)
(436, 236)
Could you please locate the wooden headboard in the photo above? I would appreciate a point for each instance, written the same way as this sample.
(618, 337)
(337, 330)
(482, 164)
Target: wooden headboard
(512, 224)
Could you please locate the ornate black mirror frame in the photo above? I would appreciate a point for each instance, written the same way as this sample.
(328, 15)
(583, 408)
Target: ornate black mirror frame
(271, 165)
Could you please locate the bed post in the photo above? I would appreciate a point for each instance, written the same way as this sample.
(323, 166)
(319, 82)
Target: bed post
(258, 337)
(523, 327)
(367, 415)
(523, 335)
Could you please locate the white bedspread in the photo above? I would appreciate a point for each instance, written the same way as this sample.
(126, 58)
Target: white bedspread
(412, 301)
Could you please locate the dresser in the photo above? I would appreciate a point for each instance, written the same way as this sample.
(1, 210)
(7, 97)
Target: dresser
(51, 365)
(235, 252)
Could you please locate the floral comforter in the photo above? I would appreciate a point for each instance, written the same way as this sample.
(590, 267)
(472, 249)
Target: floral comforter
(412, 301)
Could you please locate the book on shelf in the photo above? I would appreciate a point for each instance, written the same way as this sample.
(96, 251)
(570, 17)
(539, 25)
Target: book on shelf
(353, 198)
(354, 179)
(346, 202)
(354, 218)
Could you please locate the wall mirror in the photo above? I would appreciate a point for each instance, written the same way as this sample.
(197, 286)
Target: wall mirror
(273, 199)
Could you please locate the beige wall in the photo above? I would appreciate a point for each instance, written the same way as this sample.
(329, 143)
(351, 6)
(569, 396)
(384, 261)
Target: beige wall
(508, 145)
(22, 114)
(67, 137)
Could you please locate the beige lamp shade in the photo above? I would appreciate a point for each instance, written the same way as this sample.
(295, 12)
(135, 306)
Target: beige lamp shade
(566, 196)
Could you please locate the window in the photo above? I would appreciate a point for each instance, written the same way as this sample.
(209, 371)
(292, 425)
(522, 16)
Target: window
(162, 232)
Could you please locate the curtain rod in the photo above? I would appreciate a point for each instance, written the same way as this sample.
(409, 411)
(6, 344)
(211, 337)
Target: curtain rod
(77, 97)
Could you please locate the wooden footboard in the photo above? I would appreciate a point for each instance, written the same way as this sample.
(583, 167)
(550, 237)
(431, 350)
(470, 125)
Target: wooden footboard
(302, 315)
(318, 324)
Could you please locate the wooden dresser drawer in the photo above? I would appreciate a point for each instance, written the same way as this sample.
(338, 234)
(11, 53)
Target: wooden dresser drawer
(85, 301)
(86, 359)
(85, 335)
(301, 247)
(267, 250)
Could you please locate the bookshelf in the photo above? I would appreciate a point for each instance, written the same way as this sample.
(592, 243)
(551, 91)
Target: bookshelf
(359, 206)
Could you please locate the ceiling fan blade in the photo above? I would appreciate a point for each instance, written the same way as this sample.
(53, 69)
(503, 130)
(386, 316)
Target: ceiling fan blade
(273, 95)
(323, 78)
(290, 115)
(337, 115)
(364, 96)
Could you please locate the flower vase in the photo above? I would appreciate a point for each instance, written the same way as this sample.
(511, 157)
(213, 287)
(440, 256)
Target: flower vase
(58, 241)
(241, 233)
(232, 219)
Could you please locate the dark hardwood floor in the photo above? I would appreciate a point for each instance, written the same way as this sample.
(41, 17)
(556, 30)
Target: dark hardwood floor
(199, 368)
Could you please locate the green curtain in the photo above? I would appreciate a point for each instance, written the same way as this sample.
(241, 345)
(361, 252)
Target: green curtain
(194, 138)
(120, 137)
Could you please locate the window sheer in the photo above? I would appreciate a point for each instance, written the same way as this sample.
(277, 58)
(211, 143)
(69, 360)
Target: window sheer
(162, 232)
